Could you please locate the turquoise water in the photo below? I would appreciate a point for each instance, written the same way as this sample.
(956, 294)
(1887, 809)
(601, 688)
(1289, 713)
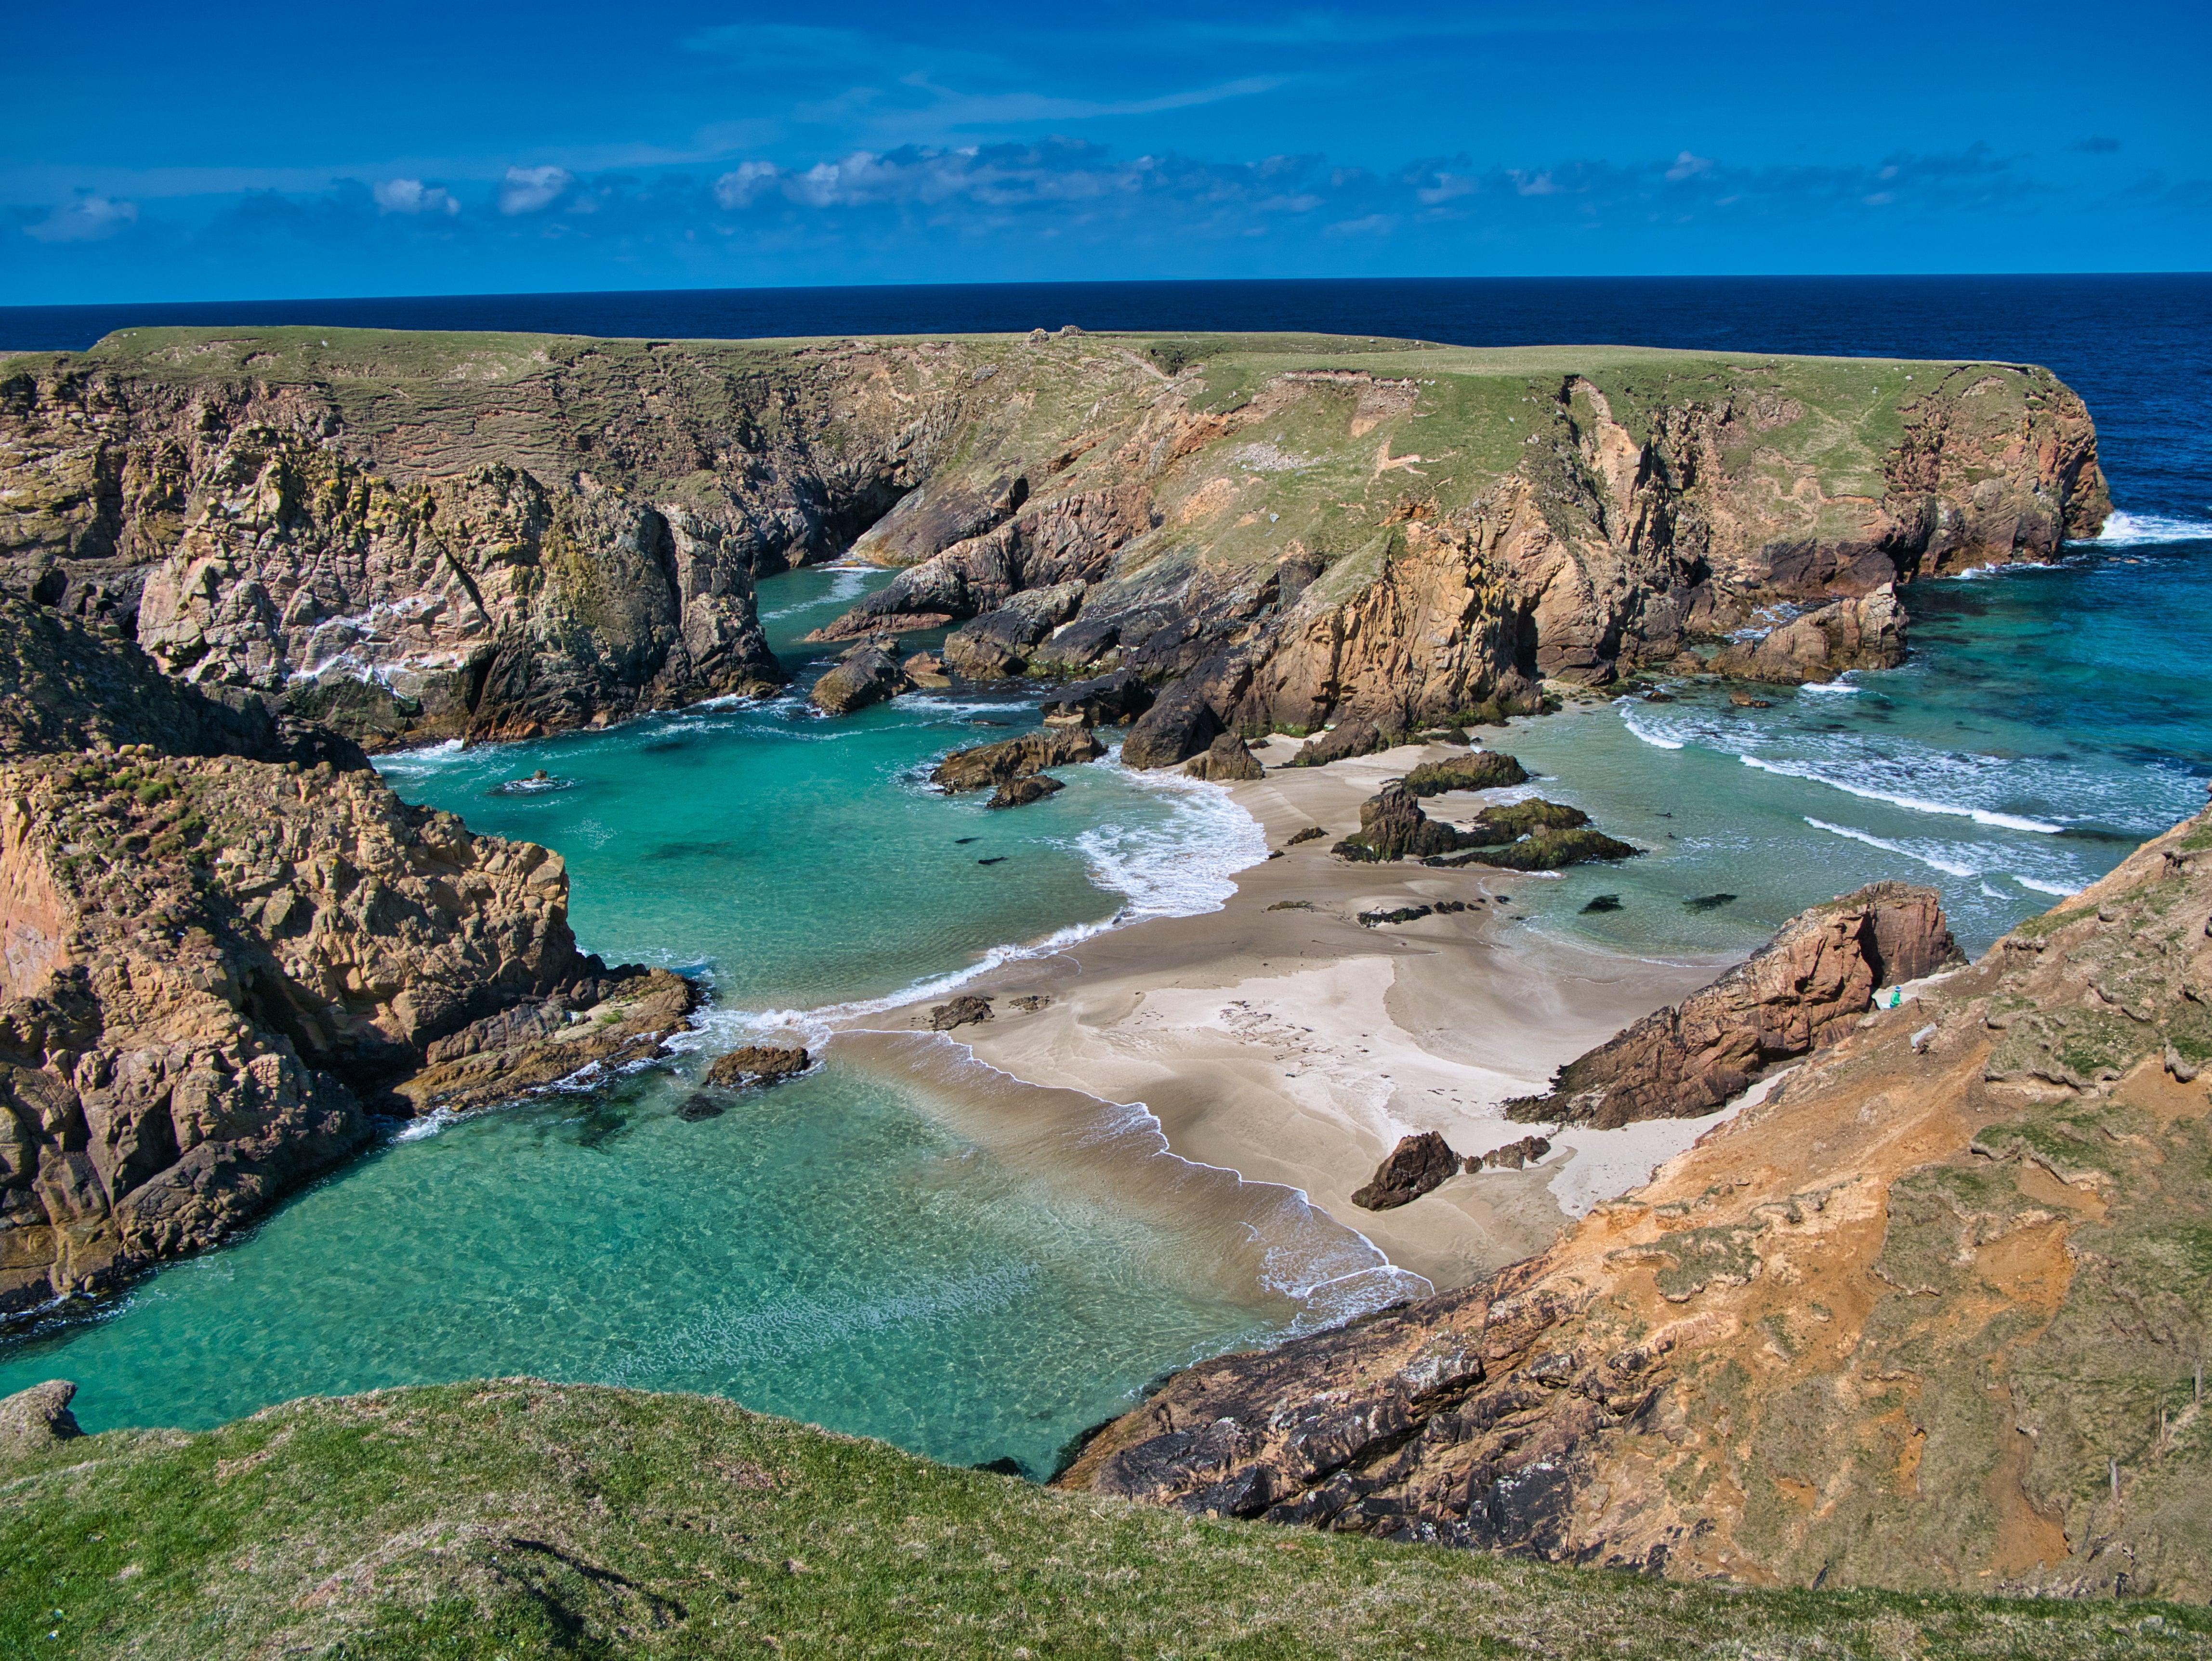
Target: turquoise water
(2048, 721)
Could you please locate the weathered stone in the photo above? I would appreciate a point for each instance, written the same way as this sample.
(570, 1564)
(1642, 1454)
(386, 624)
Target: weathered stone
(757, 1064)
(1865, 633)
(926, 669)
(32, 1420)
(1021, 792)
(1514, 1156)
(1483, 770)
(1798, 994)
(1393, 827)
(868, 674)
(1227, 760)
(1355, 735)
(962, 1011)
(1114, 700)
(1417, 1165)
(991, 764)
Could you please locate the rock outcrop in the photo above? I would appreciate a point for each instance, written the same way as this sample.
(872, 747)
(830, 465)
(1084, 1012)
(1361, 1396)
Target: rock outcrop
(1801, 992)
(1021, 792)
(32, 1420)
(219, 957)
(987, 765)
(870, 672)
(1927, 1318)
(1227, 760)
(1867, 633)
(1392, 826)
(1479, 769)
(757, 1064)
(1521, 836)
(1419, 1163)
(1114, 700)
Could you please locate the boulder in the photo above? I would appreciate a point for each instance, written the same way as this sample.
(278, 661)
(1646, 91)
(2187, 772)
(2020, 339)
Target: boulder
(1393, 826)
(1312, 833)
(1866, 633)
(1227, 760)
(998, 643)
(866, 674)
(758, 1063)
(32, 1420)
(1019, 792)
(1417, 1165)
(1180, 724)
(1114, 700)
(1802, 992)
(990, 764)
(1355, 735)
(1514, 1156)
(1483, 770)
(699, 1106)
(962, 1011)
(926, 669)
(1543, 850)
(1399, 914)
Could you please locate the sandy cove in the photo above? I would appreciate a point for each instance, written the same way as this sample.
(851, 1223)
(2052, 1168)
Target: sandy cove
(1281, 1039)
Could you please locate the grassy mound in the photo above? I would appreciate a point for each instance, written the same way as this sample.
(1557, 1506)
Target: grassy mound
(517, 1519)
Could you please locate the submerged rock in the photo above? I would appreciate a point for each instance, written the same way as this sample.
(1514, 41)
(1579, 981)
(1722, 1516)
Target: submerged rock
(1801, 992)
(1417, 1165)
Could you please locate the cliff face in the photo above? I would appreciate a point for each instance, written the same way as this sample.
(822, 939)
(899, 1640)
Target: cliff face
(415, 536)
(220, 941)
(1930, 1316)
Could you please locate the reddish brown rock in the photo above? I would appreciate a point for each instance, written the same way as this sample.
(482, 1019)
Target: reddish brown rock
(1799, 993)
(990, 764)
(757, 1064)
(1865, 633)
(1227, 760)
(1417, 1165)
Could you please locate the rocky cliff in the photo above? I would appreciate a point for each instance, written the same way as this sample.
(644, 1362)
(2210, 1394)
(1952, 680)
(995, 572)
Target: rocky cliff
(1933, 1316)
(226, 942)
(416, 536)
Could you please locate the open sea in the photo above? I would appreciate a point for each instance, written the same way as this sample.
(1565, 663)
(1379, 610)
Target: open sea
(864, 1248)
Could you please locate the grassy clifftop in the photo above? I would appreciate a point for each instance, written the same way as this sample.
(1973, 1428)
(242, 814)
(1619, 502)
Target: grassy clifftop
(519, 1519)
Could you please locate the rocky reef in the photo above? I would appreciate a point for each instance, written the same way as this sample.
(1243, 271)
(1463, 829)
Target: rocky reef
(416, 536)
(1930, 1317)
(227, 945)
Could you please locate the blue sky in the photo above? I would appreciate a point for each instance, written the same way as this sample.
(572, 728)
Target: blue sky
(242, 151)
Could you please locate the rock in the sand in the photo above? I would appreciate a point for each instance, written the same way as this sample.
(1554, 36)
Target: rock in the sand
(1226, 760)
(1114, 700)
(698, 1106)
(1392, 826)
(1417, 1165)
(1030, 1003)
(1355, 735)
(757, 1064)
(32, 1420)
(1400, 913)
(1483, 770)
(1799, 993)
(1019, 792)
(1514, 1156)
(988, 765)
(926, 669)
(1312, 833)
(1544, 850)
(962, 1011)
(867, 674)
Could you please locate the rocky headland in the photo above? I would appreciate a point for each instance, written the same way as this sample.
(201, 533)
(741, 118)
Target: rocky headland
(417, 536)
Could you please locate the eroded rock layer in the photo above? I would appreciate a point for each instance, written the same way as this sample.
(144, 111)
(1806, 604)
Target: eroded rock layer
(1930, 1317)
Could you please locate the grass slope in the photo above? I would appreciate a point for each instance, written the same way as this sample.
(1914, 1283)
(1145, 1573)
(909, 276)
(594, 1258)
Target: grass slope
(517, 1518)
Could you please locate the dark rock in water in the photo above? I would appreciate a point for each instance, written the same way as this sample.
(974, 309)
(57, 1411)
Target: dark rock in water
(699, 1106)
(962, 841)
(1402, 914)
(1514, 1156)
(1312, 833)
(867, 674)
(1226, 760)
(1485, 770)
(1019, 792)
(34, 1419)
(1005, 1465)
(1393, 826)
(1745, 701)
(1602, 902)
(996, 644)
(1031, 1002)
(1655, 695)
(963, 1011)
(1417, 1165)
(1709, 901)
(1800, 992)
(1355, 735)
(991, 764)
(757, 1064)
(926, 669)
(1113, 700)
(1181, 723)
(995, 859)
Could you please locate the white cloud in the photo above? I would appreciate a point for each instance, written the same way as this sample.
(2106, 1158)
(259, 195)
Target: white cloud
(86, 219)
(413, 195)
(1688, 166)
(527, 190)
(742, 186)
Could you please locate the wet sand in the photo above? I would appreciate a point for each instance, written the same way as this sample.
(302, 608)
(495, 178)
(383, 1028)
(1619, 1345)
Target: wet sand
(1281, 1039)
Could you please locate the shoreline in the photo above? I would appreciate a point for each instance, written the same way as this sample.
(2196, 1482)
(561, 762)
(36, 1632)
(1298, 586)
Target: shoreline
(1277, 1038)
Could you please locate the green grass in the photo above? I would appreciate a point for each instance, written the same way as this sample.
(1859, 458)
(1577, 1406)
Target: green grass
(522, 1519)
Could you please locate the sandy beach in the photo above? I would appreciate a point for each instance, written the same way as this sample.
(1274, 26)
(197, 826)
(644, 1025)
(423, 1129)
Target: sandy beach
(1281, 1039)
